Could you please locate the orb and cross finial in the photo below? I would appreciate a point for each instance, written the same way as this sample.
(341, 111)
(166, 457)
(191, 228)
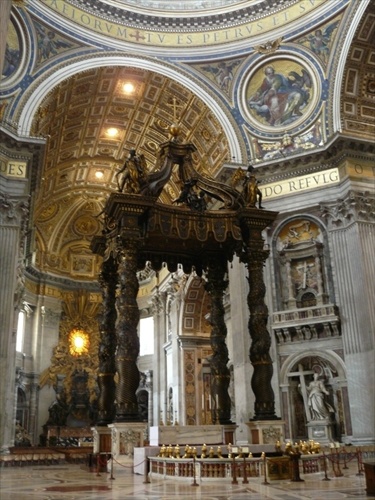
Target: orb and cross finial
(175, 128)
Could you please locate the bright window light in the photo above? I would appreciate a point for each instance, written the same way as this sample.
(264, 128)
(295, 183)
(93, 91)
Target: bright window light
(20, 331)
(146, 336)
(78, 342)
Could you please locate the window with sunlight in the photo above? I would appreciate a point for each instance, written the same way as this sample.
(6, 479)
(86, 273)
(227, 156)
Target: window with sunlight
(146, 336)
(20, 331)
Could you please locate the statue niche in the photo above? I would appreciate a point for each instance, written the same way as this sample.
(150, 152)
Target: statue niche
(301, 265)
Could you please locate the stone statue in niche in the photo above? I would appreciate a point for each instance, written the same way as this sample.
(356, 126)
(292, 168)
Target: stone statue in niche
(306, 275)
(317, 394)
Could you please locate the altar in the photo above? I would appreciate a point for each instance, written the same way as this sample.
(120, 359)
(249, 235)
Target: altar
(182, 434)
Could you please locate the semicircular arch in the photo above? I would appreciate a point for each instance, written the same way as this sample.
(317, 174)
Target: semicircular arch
(61, 73)
(327, 355)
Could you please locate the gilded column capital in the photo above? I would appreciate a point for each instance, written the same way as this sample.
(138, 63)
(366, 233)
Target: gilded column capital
(355, 207)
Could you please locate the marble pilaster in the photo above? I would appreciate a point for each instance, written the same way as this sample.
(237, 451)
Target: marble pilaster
(239, 345)
(158, 305)
(351, 229)
(13, 214)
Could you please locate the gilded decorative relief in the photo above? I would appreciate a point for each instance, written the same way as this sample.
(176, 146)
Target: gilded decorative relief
(74, 363)
(296, 232)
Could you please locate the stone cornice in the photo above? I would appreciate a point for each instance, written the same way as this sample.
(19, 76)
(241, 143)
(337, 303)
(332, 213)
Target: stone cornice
(336, 152)
(36, 276)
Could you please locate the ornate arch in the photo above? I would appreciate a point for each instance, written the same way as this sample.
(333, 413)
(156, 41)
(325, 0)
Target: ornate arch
(42, 87)
(329, 355)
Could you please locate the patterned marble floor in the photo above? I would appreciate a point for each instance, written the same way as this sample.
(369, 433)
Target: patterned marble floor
(73, 482)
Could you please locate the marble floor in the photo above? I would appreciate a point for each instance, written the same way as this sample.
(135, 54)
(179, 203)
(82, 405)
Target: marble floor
(74, 482)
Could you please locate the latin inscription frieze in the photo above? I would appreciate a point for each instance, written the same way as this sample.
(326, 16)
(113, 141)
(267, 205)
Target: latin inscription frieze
(156, 37)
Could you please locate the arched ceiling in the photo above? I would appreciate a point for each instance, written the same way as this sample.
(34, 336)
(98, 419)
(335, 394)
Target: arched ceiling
(79, 113)
(91, 121)
(358, 91)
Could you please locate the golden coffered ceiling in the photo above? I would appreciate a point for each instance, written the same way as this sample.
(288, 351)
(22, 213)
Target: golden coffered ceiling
(77, 117)
(358, 103)
(78, 114)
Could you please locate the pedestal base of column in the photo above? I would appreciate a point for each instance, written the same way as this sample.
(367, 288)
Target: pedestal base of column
(266, 431)
(228, 433)
(102, 439)
(321, 431)
(125, 437)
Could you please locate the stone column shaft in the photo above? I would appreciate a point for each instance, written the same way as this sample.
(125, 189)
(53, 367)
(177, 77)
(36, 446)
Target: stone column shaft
(220, 375)
(107, 347)
(264, 408)
(127, 333)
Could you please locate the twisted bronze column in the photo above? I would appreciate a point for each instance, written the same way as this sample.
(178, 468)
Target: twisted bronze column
(107, 346)
(126, 330)
(261, 341)
(220, 375)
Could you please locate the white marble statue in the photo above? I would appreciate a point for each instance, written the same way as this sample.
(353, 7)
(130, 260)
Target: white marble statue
(319, 408)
